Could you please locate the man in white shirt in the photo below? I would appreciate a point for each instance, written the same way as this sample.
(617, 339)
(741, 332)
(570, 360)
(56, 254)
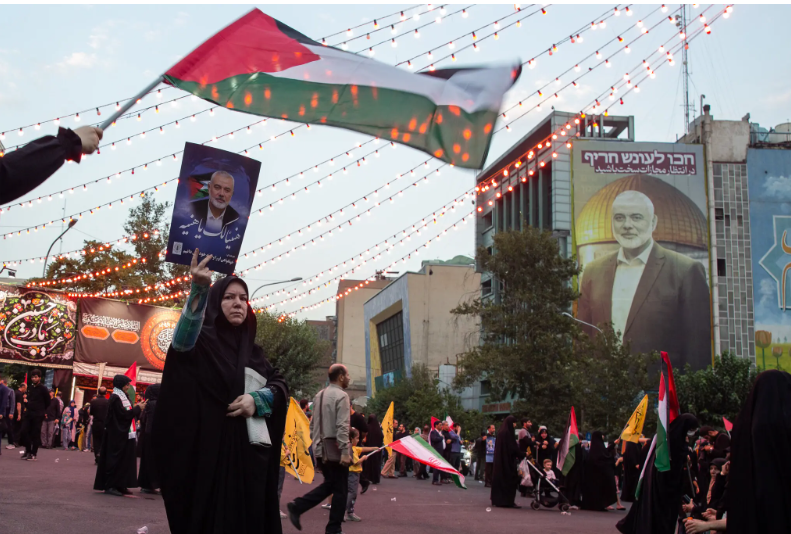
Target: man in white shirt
(656, 298)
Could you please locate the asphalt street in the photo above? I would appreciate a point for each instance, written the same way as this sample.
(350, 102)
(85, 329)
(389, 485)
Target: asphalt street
(54, 494)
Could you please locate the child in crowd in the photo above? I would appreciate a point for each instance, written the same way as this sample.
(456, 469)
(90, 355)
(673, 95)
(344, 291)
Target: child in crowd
(355, 470)
(548, 472)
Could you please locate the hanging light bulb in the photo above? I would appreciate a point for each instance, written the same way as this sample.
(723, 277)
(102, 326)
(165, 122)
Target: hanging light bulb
(417, 34)
(371, 52)
(451, 46)
(393, 43)
(464, 13)
(664, 8)
(598, 55)
(576, 68)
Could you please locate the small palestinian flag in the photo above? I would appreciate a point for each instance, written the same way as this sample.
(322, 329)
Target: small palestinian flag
(416, 448)
(566, 454)
(668, 412)
(259, 65)
(198, 188)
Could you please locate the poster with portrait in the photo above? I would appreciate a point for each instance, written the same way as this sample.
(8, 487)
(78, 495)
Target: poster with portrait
(770, 227)
(120, 334)
(641, 237)
(37, 327)
(212, 206)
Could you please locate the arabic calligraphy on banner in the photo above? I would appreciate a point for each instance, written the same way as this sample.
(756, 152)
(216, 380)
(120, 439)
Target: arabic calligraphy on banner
(37, 327)
(649, 162)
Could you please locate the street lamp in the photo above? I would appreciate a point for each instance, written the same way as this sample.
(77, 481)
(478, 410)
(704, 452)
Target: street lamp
(275, 283)
(567, 314)
(46, 258)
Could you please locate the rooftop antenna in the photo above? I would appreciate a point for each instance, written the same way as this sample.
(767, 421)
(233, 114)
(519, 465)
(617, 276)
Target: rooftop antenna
(681, 23)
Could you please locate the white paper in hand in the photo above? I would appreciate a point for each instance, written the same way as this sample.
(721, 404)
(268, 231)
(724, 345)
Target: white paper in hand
(257, 431)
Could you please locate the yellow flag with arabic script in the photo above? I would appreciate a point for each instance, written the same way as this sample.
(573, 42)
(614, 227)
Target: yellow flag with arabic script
(296, 439)
(387, 428)
(634, 427)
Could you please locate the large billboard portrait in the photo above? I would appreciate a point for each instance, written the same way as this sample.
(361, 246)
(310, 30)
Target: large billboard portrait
(213, 201)
(120, 334)
(37, 327)
(770, 226)
(641, 238)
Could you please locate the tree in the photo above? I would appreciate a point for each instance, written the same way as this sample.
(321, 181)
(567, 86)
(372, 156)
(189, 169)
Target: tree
(147, 227)
(292, 346)
(717, 391)
(416, 399)
(527, 345)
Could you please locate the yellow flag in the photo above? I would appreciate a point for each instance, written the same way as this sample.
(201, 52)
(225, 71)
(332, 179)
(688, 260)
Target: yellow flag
(634, 427)
(297, 439)
(387, 428)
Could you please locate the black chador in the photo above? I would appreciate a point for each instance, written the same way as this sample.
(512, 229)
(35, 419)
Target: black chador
(116, 471)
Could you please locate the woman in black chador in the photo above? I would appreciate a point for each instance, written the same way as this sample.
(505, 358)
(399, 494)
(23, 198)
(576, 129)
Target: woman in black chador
(220, 416)
(631, 471)
(505, 478)
(598, 480)
(372, 467)
(148, 480)
(116, 471)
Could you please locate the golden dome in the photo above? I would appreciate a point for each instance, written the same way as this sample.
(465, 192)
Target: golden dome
(680, 220)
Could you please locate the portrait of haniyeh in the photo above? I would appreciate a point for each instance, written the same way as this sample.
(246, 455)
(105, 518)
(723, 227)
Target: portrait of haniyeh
(211, 195)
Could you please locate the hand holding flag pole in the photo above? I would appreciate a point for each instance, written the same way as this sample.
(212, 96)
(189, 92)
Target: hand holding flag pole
(288, 456)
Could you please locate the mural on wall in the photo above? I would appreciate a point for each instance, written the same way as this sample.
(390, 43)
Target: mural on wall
(770, 228)
(641, 237)
(36, 327)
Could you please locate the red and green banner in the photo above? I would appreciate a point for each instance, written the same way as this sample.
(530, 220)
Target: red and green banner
(259, 65)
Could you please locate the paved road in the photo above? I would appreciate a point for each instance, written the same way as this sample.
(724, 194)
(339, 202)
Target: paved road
(55, 494)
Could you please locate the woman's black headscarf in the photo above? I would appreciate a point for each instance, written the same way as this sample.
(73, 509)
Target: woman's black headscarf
(213, 479)
(120, 381)
(759, 484)
(152, 395)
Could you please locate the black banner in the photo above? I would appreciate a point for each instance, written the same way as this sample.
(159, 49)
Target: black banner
(37, 327)
(118, 334)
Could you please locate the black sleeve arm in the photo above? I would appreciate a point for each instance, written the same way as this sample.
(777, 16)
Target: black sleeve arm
(23, 170)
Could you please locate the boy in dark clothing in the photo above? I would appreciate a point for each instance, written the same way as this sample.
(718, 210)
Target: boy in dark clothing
(480, 456)
(37, 403)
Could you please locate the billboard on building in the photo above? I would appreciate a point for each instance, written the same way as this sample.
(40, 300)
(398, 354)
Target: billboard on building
(769, 173)
(37, 327)
(119, 334)
(641, 237)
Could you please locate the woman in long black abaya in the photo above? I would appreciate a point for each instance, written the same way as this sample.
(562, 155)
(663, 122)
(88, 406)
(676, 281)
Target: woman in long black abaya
(116, 471)
(372, 467)
(148, 479)
(505, 478)
(572, 482)
(759, 489)
(631, 471)
(598, 487)
(656, 509)
(213, 479)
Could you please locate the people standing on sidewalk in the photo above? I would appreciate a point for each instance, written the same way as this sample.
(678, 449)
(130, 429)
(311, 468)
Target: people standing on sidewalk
(437, 441)
(51, 418)
(455, 447)
(20, 405)
(6, 403)
(490, 444)
(99, 406)
(38, 401)
(329, 430)
(480, 456)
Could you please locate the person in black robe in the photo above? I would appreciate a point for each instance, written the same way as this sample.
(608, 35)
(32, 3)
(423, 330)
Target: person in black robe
(598, 487)
(631, 471)
(213, 479)
(116, 471)
(759, 490)
(572, 482)
(656, 510)
(372, 467)
(505, 478)
(147, 479)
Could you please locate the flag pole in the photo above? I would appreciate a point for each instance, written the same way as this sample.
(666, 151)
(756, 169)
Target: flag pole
(129, 103)
(291, 463)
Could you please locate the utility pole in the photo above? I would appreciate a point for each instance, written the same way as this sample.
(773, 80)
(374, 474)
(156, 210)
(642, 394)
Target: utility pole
(681, 23)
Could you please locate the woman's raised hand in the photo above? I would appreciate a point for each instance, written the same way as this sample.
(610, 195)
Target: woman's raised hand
(201, 274)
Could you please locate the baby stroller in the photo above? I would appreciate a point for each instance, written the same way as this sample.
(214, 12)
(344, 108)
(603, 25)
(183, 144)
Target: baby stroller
(547, 497)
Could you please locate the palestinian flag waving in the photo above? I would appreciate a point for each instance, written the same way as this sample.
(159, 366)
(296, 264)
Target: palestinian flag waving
(261, 66)
(668, 412)
(566, 454)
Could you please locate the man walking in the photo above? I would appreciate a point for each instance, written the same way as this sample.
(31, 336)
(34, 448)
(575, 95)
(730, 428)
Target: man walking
(51, 417)
(329, 430)
(99, 406)
(38, 401)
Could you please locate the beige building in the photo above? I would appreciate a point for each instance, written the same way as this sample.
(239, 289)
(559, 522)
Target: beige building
(410, 322)
(350, 333)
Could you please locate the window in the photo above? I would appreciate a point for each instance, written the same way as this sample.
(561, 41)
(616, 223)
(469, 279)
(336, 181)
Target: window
(391, 343)
(486, 288)
(721, 271)
(718, 214)
(486, 387)
(488, 220)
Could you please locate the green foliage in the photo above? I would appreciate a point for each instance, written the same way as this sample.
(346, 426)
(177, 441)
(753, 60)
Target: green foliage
(14, 373)
(292, 346)
(148, 222)
(716, 391)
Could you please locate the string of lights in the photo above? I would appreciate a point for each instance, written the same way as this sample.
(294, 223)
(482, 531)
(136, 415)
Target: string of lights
(375, 22)
(73, 279)
(329, 233)
(333, 298)
(82, 251)
(128, 291)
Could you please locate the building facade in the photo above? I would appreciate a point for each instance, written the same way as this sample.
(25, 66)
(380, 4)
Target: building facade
(410, 322)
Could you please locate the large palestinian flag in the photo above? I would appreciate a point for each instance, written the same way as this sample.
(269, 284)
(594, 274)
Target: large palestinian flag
(261, 66)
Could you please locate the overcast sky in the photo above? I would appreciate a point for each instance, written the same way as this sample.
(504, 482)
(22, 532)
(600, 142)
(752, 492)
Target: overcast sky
(55, 60)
